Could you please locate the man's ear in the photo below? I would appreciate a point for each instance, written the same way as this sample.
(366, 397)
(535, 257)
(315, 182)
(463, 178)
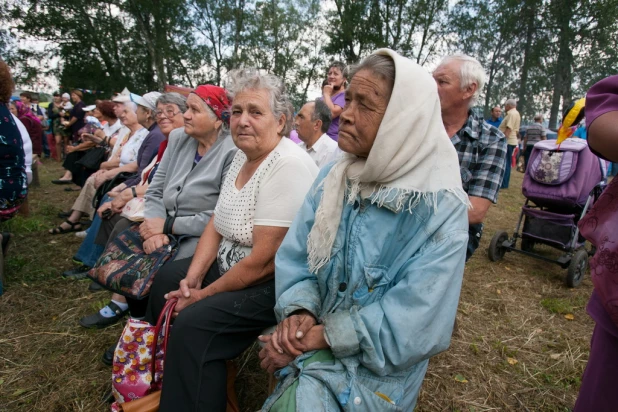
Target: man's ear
(470, 90)
(318, 124)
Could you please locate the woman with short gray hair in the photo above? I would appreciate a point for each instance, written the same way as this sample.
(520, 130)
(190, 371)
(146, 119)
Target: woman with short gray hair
(227, 293)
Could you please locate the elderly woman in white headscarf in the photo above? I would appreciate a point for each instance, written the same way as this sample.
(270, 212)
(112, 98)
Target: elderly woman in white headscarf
(369, 275)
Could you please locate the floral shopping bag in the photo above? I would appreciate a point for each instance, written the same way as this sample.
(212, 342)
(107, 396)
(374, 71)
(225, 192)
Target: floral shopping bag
(137, 370)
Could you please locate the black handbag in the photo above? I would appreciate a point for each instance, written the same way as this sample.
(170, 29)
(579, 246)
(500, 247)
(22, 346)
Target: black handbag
(93, 158)
(109, 185)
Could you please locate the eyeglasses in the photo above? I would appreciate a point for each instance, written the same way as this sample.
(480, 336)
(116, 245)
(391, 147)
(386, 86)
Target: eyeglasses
(169, 113)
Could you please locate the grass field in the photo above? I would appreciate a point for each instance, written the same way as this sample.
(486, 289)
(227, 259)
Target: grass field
(521, 341)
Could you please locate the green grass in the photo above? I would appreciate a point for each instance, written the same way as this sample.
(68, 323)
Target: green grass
(506, 309)
(562, 306)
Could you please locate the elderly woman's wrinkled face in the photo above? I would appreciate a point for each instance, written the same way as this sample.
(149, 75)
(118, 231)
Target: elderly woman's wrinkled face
(253, 124)
(143, 115)
(127, 116)
(366, 100)
(118, 109)
(169, 117)
(198, 119)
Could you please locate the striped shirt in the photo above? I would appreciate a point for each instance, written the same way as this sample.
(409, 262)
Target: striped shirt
(535, 133)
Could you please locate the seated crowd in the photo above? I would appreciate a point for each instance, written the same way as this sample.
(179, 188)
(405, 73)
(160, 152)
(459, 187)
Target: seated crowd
(349, 245)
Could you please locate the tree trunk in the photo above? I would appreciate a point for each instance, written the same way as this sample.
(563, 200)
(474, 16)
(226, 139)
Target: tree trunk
(157, 63)
(239, 14)
(562, 76)
(523, 85)
(493, 68)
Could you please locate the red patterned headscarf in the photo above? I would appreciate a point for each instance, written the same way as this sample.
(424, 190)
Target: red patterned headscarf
(217, 99)
(24, 111)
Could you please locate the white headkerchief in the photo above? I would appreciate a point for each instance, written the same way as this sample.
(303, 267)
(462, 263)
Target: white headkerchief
(412, 159)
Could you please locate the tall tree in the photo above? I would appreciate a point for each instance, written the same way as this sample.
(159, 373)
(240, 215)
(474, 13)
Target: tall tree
(414, 28)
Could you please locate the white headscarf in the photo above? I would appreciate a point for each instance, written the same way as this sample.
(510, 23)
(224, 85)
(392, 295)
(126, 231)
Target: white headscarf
(412, 159)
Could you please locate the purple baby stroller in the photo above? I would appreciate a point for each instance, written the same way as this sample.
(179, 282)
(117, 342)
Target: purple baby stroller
(560, 186)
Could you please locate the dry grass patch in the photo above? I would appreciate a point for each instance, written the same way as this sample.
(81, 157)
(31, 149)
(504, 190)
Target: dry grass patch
(513, 348)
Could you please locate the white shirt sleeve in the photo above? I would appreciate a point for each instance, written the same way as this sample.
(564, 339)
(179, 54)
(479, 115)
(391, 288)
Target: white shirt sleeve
(27, 142)
(282, 193)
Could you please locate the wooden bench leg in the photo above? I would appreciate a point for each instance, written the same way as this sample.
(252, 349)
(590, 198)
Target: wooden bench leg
(232, 400)
(24, 209)
(35, 172)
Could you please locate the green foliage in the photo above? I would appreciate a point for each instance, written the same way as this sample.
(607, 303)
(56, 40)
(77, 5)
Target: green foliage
(414, 28)
(542, 52)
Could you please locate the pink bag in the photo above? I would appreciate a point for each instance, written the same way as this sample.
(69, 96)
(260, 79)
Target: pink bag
(599, 226)
(135, 371)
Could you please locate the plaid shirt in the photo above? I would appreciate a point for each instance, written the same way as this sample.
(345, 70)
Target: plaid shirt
(482, 153)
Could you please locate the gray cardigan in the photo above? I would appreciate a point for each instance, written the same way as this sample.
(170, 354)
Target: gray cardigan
(185, 192)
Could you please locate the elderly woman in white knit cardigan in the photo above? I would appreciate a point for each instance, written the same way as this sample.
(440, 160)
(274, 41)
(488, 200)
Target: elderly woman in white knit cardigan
(368, 276)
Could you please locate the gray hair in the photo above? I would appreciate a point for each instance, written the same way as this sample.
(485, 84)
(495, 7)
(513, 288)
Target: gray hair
(289, 120)
(511, 102)
(321, 112)
(380, 65)
(173, 98)
(131, 106)
(538, 117)
(251, 79)
(470, 71)
(342, 68)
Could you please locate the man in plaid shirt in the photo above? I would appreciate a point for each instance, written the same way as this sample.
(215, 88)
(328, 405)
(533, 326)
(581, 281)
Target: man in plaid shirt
(480, 146)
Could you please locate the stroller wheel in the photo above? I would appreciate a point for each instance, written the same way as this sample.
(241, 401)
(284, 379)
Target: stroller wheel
(496, 250)
(577, 268)
(527, 245)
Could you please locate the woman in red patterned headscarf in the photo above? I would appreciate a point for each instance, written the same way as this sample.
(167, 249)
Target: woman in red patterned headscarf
(32, 124)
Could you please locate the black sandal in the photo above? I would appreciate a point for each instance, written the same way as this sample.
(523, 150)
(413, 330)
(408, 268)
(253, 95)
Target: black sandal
(60, 230)
(62, 182)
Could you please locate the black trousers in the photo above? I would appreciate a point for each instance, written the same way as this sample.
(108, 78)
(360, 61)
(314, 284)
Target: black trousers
(474, 239)
(205, 335)
(111, 228)
(527, 154)
(79, 172)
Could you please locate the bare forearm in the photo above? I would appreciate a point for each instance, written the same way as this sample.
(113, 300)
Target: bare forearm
(480, 206)
(315, 338)
(329, 102)
(507, 132)
(129, 168)
(110, 164)
(247, 272)
(84, 146)
(206, 251)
